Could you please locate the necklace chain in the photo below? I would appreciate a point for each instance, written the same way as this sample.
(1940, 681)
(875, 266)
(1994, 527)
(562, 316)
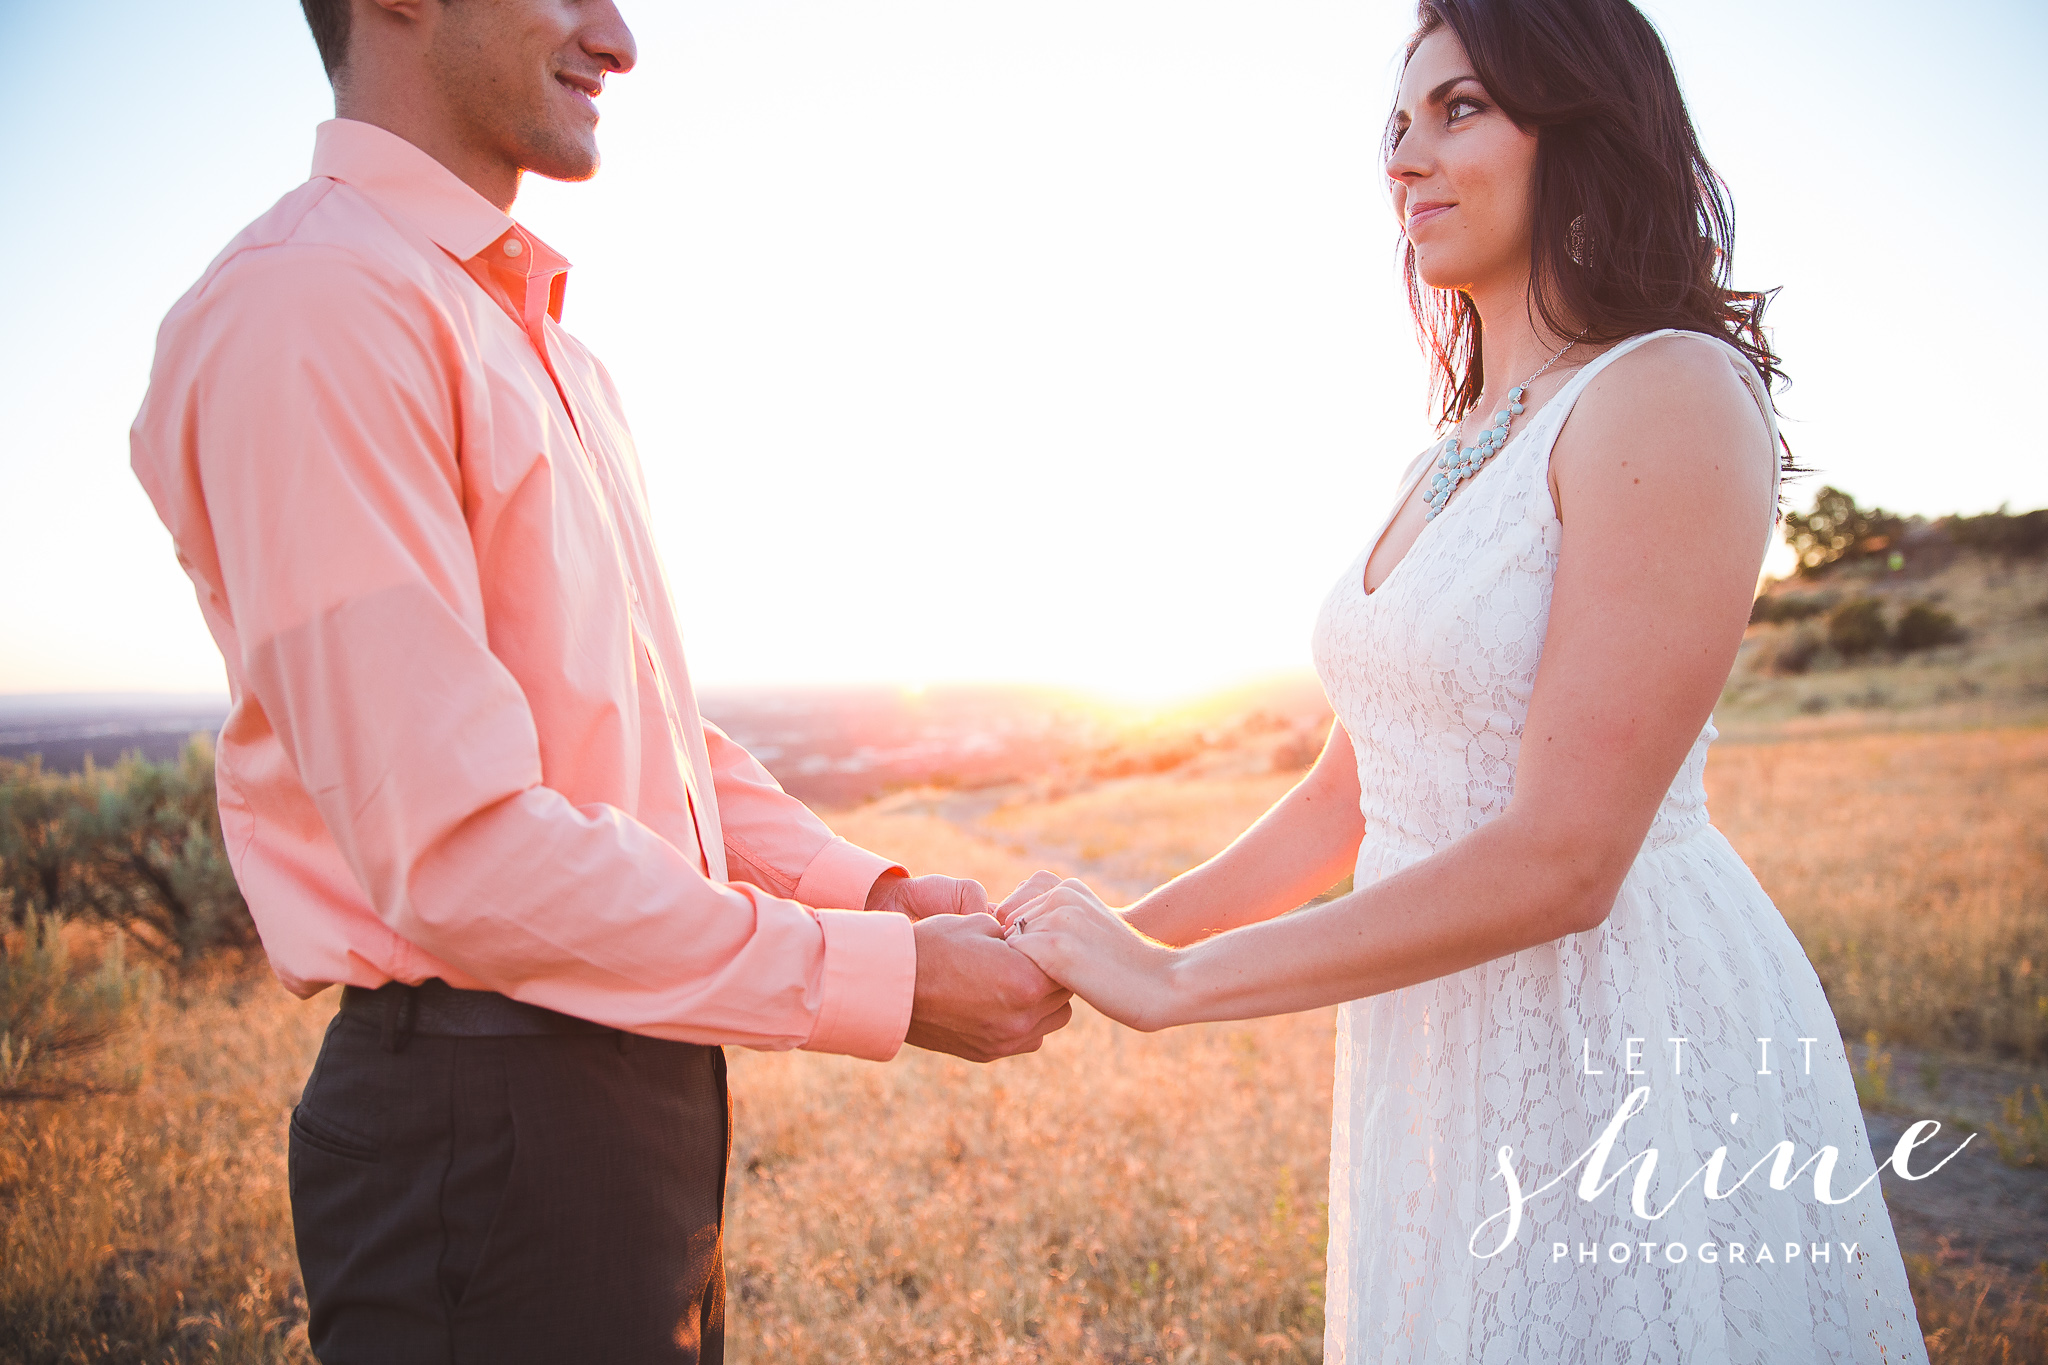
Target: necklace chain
(1457, 464)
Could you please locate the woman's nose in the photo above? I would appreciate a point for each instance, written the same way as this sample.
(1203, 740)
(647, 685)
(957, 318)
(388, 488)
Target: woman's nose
(1409, 160)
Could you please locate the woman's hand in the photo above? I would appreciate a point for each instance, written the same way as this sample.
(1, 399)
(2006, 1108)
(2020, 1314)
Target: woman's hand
(1089, 948)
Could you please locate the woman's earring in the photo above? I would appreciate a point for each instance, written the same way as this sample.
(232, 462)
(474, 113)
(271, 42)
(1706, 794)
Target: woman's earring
(1578, 240)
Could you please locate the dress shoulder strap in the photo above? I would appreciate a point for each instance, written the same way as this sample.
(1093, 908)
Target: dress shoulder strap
(1569, 394)
(1560, 407)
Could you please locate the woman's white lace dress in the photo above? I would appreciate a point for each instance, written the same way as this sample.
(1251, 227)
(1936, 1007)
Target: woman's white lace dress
(1431, 675)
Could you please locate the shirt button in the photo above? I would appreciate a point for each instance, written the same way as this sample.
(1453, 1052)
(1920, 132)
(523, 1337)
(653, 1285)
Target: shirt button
(513, 246)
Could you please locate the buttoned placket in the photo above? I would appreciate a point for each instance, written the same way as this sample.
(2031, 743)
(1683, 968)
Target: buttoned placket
(539, 300)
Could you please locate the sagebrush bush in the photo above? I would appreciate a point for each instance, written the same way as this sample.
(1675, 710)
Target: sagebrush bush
(1785, 608)
(137, 846)
(1790, 652)
(1857, 628)
(1923, 626)
(55, 1018)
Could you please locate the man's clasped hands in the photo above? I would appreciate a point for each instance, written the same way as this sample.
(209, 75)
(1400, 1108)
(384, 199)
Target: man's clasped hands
(977, 996)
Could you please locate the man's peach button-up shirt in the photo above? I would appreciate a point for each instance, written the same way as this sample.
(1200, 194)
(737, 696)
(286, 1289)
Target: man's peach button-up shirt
(463, 741)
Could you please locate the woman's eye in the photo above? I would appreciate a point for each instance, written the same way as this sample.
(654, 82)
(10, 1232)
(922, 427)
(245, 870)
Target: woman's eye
(1462, 106)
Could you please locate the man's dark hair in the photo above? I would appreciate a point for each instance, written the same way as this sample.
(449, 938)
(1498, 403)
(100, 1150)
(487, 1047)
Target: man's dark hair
(329, 22)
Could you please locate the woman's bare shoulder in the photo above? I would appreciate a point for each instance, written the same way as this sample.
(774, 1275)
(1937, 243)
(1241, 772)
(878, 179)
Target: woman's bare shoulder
(1681, 399)
(1686, 376)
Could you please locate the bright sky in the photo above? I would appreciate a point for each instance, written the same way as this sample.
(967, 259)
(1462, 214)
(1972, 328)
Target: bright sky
(1045, 342)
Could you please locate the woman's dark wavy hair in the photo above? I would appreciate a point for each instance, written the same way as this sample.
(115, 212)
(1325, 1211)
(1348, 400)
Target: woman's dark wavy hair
(1615, 149)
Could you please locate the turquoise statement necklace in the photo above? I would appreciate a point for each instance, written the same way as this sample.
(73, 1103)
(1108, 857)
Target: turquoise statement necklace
(1458, 464)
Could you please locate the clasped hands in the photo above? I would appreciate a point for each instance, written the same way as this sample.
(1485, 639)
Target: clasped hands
(988, 986)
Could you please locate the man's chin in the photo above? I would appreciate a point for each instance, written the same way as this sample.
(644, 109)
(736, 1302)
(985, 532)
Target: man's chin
(563, 161)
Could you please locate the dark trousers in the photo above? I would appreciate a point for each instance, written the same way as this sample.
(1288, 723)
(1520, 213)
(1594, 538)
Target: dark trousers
(502, 1200)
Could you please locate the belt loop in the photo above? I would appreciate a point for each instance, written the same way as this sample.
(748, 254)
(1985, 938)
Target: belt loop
(398, 1016)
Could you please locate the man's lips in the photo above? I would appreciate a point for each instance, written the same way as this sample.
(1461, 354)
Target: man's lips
(1418, 214)
(586, 88)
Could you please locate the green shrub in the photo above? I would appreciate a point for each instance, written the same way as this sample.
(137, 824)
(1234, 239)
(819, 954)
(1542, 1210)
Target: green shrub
(2023, 1138)
(1874, 1075)
(1857, 627)
(1788, 607)
(41, 840)
(54, 1019)
(137, 846)
(1790, 652)
(1923, 626)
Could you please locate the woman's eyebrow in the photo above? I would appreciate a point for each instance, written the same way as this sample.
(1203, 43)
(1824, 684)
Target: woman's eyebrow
(1443, 88)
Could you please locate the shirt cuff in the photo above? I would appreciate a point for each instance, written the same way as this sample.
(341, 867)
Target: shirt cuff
(870, 977)
(841, 876)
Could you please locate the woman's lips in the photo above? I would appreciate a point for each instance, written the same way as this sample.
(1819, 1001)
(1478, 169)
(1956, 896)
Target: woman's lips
(1423, 213)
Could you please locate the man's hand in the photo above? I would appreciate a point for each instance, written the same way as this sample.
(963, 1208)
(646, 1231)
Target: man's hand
(977, 997)
(919, 897)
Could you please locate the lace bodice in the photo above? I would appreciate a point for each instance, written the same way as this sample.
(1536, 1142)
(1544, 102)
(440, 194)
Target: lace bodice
(1432, 680)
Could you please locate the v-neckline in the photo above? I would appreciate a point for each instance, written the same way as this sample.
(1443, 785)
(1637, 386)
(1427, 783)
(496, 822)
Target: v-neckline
(1429, 459)
(1427, 462)
(1577, 377)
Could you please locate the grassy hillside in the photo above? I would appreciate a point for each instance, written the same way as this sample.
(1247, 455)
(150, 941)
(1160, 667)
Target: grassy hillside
(1117, 1198)
(1793, 677)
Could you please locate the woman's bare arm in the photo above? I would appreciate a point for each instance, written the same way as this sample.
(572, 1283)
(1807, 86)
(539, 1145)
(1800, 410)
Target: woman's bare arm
(1664, 489)
(1301, 847)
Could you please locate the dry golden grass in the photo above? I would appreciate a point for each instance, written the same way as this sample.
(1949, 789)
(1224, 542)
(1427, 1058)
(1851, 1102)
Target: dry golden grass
(1140, 832)
(1978, 1314)
(155, 1225)
(1914, 868)
(906, 829)
(1116, 1198)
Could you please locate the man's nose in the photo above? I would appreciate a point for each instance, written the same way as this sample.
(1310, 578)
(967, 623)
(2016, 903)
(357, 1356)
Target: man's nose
(609, 40)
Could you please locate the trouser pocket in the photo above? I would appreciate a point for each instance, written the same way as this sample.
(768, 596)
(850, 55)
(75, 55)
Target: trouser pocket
(308, 1129)
(365, 1165)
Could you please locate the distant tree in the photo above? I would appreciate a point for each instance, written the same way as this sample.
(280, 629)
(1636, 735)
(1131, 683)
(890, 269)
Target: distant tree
(2002, 533)
(1838, 531)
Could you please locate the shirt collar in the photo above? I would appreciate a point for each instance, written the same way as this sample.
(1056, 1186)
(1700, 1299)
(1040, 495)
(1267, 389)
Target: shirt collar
(434, 199)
